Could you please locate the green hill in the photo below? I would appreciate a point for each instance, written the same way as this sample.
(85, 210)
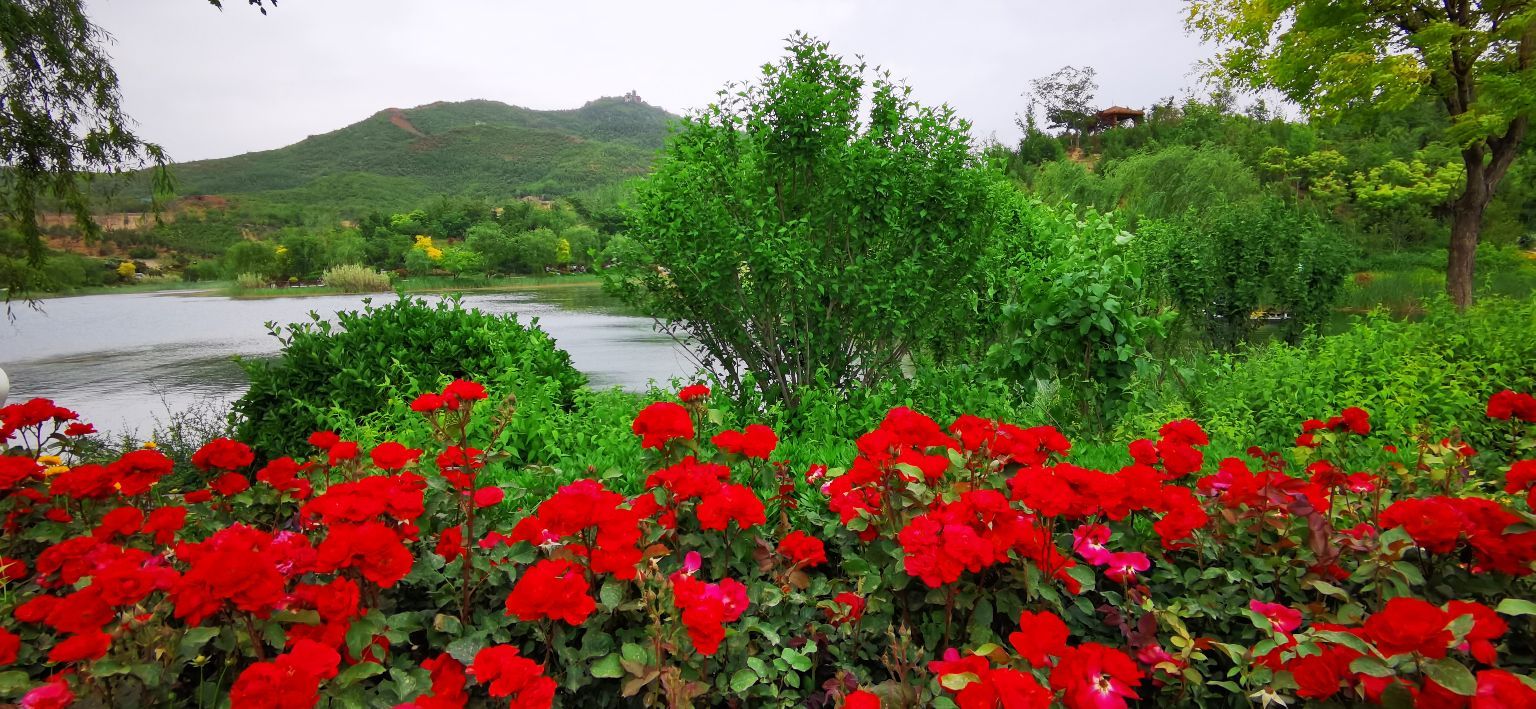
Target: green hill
(469, 148)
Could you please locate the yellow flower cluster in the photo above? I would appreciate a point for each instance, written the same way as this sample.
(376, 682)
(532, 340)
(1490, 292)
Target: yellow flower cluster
(424, 243)
(55, 465)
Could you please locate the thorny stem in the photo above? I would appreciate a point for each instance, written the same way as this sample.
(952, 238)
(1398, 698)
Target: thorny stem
(256, 643)
(949, 612)
(467, 503)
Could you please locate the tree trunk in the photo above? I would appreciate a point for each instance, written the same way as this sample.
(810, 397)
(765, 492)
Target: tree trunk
(1465, 229)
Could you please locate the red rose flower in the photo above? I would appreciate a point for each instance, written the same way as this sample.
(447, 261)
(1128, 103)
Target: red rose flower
(1521, 477)
(324, 439)
(1319, 676)
(861, 700)
(372, 548)
(1434, 523)
(291, 680)
(1497, 689)
(12, 569)
(283, 475)
(10, 647)
(693, 392)
(508, 675)
(223, 454)
(584, 505)
(706, 608)
(428, 403)
(661, 422)
(554, 589)
(461, 393)
(803, 550)
(1508, 404)
(342, 452)
(236, 565)
(1040, 637)
(1356, 420)
(1283, 619)
(1093, 676)
(852, 608)
(230, 484)
(53, 694)
(754, 441)
(197, 497)
(392, 456)
(84, 646)
(938, 552)
(123, 521)
(460, 465)
(489, 496)
(732, 503)
(1487, 628)
(137, 471)
(1409, 625)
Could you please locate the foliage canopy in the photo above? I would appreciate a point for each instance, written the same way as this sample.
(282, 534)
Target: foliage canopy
(792, 227)
(1477, 58)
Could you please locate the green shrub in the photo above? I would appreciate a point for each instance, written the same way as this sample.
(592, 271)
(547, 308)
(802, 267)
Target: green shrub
(371, 357)
(1168, 183)
(786, 234)
(202, 271)
(1074, 315)
(250, 281)
(352, 278)
(1438, 371)
(1222, 265)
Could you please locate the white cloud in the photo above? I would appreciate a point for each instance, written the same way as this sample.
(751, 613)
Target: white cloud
(206, 83)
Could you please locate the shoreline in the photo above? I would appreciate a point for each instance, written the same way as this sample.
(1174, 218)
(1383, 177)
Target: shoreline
(225, 289)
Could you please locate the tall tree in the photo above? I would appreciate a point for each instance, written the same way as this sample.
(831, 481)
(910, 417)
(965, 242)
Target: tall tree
(61, 118)
(1334, 56)
(1067, 97)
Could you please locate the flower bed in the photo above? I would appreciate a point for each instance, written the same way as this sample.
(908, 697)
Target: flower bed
(971, 565)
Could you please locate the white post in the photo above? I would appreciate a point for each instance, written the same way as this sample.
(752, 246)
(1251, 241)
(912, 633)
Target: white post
(5, 386)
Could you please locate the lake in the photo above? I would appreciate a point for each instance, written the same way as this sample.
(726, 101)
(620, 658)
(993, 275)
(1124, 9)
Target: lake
(123, 361)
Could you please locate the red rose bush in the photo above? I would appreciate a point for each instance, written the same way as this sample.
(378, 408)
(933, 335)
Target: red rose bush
(974, 564)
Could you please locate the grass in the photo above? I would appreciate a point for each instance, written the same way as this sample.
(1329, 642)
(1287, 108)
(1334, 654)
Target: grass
(1405, 287)
(150, 287)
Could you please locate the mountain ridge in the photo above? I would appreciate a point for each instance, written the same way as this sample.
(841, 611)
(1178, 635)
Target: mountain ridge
(478, 147)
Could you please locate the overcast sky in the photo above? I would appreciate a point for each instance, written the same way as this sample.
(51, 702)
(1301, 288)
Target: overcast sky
(205, 83)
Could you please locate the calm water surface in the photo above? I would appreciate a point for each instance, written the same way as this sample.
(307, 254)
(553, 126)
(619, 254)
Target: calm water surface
(125, 360)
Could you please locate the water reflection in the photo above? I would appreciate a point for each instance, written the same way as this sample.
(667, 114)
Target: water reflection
(122, 360)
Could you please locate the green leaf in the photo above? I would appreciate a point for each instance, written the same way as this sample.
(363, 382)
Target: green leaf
(742, 680)
(1516, 606)
(357, 673)
(1372, 666)
(194, 639)
(633, 653)
(406, 684)
(464, 649)
(13, 682)
(796, 659)
(611, 594)
(608, 667)
(1328, 589)
(1348, 640)
(958, 681)
(1450, 674)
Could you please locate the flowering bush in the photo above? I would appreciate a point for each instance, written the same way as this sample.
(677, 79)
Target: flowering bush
(971, 564)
